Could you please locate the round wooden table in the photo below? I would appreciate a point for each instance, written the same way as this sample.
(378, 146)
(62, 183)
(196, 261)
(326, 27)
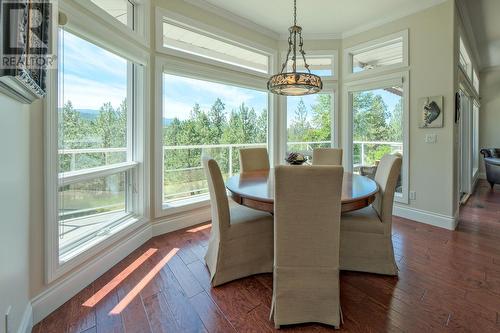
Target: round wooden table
(256, 190)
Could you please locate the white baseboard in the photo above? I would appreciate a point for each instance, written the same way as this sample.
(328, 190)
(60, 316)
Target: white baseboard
(422, 216)
(27, 321)
(185, 220)
(68, 286)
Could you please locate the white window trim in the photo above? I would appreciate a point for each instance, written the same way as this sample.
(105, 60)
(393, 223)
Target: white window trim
(400, 78)
(333, 53)
(370, 45)
(201, 71)
(141, 19)
(330, 88)
(79, 21)
(163, 15)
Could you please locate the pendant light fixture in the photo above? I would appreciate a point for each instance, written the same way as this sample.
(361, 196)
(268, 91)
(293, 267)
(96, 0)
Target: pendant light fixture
(294, 83)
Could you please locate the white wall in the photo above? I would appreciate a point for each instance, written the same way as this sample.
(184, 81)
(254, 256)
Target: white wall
(14, 206)
(431, 54)
(489, 115)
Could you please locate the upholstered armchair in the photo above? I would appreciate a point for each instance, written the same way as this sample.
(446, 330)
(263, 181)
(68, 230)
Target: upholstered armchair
(492, 165)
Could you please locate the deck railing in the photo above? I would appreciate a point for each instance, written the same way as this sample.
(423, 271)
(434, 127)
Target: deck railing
(189, 178)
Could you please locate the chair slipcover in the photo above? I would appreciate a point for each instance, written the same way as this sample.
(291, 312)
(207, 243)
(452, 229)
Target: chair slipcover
(327, 156)
(307, 211)
(241, 239)
(253, 159)
(366, 234)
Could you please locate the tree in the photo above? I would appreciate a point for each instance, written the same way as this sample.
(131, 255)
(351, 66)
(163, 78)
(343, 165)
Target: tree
(217, 120)
(300, 125)
(321, 119)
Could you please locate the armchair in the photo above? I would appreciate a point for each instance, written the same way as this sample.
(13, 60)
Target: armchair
(492, 165)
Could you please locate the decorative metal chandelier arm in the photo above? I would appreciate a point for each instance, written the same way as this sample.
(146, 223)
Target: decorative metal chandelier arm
(294, 83)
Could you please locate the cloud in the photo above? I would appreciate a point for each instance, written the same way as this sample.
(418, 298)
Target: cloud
(90, 94)
(206, 92)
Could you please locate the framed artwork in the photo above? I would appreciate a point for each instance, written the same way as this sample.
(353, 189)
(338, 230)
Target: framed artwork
(432, 112)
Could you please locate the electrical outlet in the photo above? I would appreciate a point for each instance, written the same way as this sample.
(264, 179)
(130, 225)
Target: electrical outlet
(430, 138)
(413, 195)
(8, 328)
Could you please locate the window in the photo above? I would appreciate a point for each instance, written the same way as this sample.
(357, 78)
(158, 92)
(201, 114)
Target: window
(205, 118)
(384, 53)
(96, 157)
(309, 122)
(378, 117)
(465, 60)
(320, 65)
(122, 10)
(196, 42)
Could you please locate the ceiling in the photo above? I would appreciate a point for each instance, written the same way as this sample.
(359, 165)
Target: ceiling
(485, 22)
(329, 17)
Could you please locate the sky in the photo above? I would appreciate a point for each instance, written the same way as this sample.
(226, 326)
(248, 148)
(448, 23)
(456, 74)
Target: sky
(181, 93)
(92, 76)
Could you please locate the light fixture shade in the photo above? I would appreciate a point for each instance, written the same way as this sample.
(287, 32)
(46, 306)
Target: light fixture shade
(294, 84)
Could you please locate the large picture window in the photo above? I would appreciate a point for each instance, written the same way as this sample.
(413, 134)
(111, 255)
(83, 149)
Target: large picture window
(206, 118)
(309, 122)
(96, 158)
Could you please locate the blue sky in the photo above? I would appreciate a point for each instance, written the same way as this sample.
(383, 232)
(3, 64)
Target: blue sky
(181, 93)
(92, 76)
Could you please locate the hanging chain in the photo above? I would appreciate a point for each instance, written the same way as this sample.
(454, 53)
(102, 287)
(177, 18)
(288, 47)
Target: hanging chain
(294, 12)
(292, 43)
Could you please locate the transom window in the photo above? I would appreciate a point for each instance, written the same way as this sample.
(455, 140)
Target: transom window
(320, 65)
(122, 10)
(465, 59)
(193, 41)
(384, 53)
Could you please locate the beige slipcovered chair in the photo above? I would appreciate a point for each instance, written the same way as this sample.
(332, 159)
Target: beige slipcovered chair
(366, 234)
(253, 159)
(241, 239)
(306, 245)
(327, 156)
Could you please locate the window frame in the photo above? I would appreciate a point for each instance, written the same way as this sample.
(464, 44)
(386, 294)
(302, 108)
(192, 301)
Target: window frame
(389, 80)
(141, 18)
(164, 15)
(78, 24)
(199, 71)
(372, 45)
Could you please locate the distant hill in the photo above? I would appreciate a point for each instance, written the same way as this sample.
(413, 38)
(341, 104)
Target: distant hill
(90, 114)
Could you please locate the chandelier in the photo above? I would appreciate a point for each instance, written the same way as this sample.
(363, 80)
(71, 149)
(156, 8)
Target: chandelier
(294, 83)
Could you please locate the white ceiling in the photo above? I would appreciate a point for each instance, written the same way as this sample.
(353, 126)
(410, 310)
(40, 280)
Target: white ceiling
(485, 20)
(329, 17)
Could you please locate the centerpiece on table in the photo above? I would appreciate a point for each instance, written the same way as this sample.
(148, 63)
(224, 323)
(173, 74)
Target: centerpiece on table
(295, 159)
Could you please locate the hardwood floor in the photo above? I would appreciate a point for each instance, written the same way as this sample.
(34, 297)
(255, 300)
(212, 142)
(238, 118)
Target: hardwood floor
(448, 282)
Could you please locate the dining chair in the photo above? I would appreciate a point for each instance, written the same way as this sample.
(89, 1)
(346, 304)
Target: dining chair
(253, 159)
(327, 156)
(241, 239)
(366, 234)
(307, 209)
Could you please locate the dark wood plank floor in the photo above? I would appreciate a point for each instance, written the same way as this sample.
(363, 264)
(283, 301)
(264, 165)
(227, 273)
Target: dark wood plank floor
(448, 282)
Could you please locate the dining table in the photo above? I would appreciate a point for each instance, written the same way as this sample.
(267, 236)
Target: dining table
(255, 190)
